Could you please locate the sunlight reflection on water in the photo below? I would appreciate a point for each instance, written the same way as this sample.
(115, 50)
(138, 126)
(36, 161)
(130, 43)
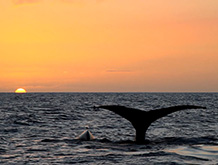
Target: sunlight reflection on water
(198, 151)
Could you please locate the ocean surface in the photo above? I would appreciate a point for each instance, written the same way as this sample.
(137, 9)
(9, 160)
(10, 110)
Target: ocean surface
(41, 128)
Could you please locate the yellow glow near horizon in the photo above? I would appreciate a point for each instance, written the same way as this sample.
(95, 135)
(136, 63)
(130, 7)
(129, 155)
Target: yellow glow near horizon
(20, 90)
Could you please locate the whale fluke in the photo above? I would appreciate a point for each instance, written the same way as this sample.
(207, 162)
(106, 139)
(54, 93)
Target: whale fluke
(141, 120)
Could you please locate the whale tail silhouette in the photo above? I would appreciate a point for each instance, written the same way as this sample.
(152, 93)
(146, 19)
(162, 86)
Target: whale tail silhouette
(141, 120)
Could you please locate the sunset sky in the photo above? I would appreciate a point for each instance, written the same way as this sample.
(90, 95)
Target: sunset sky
(109, 45)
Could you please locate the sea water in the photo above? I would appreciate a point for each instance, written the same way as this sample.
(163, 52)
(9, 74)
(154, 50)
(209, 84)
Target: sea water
(41, 128)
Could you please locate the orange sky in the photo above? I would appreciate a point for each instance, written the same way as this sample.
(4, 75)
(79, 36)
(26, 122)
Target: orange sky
(109, 45)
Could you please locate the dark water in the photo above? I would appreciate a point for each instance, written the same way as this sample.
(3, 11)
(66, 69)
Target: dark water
(41, 128)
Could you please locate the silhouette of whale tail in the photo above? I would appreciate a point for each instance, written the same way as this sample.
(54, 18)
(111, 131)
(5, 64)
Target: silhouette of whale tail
(141, 120)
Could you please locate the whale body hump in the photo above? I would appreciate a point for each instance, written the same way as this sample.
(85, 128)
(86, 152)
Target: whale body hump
(86, 135)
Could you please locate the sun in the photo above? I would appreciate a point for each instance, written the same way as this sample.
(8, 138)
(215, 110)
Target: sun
(20, 90)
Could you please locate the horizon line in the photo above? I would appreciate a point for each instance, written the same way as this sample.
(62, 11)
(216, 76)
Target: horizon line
(120, 92)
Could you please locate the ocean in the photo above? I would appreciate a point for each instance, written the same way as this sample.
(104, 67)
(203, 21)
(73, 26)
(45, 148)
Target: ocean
(42, 128)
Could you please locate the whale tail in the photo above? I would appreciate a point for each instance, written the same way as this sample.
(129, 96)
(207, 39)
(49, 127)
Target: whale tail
(141, 120)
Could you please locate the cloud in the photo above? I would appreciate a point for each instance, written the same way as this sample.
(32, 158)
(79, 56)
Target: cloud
(81, 1)
(19, 2)
(118, 71)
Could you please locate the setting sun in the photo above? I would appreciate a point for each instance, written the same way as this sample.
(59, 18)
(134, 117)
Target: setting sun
(20, 90)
